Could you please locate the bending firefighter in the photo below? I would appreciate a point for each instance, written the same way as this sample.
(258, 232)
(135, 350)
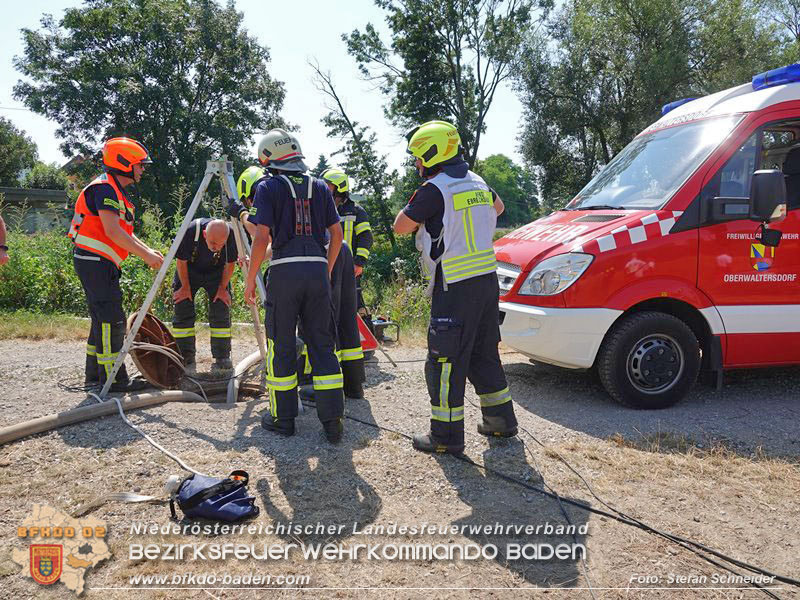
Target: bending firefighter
(454, 213)
(293, 212)
(356, 228)
(206, 258)
(102, 233)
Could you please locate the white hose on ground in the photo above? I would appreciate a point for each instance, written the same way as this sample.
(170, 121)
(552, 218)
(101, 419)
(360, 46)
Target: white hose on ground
(241, 368)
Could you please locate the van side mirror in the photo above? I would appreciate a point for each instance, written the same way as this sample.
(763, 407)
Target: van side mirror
(768, 196)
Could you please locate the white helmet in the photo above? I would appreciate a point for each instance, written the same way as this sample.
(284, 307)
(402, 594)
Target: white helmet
(280, 150)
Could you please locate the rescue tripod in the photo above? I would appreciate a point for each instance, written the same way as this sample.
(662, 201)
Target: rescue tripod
(223, 169)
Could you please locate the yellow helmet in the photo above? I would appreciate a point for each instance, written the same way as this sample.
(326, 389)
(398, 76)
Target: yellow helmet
(247, 180)
(338, 178)
(433, 142)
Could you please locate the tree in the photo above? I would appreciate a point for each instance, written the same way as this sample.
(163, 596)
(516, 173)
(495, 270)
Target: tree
(181, 76)
(322, 165)
(46, 177)
(17, 153)
(611, 64)
(445, 61)
(514, 185)
(362, 161)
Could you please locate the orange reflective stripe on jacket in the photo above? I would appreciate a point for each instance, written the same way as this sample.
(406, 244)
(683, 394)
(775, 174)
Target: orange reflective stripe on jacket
(86, 229)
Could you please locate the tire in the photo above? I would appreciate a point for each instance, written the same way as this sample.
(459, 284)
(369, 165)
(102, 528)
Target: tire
(649, 360)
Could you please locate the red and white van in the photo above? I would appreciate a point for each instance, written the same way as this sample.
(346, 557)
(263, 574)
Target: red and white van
(661, 266)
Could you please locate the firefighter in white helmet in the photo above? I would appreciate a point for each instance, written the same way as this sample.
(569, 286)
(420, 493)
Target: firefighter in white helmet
(293, 212)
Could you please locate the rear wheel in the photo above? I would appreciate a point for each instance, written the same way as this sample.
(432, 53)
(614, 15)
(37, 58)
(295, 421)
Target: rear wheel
(649, 360)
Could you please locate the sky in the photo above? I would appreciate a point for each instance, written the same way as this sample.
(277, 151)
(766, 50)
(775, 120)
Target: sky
(294, 33)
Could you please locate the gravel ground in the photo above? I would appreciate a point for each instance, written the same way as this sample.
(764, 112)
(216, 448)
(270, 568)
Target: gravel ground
(720, 468)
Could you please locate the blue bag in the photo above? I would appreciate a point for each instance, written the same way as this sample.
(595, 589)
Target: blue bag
(217, 499)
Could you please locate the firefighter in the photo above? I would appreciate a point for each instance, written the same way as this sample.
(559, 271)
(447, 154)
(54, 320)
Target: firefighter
(293, 212)
(243, 208)
(3, 247)
(348, 341)
(102, 234)
(356, 227)
(206, 258)
(454, 213)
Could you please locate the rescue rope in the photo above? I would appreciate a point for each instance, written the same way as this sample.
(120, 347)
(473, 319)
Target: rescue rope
(152, 442)
(695, 547)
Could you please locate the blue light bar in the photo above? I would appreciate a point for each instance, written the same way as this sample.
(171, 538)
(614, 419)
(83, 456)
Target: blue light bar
(787, 74)
(673, 105)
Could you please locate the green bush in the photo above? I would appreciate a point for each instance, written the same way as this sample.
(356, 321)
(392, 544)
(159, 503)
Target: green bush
(40, 278)
(45, 176)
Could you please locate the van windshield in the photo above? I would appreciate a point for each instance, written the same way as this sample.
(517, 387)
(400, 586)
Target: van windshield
(653, 166)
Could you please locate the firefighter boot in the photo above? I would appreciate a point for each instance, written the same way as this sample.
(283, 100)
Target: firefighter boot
(284, 427)
(126, 386)
(427, 443)
(222, 364)
(498, 421)
(497, 427)
(333, 430)
(187, 347)
(353, 375)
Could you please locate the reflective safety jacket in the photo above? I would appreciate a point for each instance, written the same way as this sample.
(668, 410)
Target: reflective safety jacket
(357, 230)
(467, 229)
(86, 230)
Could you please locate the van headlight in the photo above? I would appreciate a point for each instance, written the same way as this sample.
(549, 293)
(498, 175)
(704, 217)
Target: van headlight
(555, 274)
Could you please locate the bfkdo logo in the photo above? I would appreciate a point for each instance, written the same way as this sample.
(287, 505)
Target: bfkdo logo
(761, 257)
(59, 548)
(46, 562)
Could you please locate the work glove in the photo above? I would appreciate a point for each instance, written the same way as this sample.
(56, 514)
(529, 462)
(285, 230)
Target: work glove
(235, 209)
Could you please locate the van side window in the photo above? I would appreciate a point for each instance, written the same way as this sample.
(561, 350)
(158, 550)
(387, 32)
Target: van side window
(780, 149)
(733, 179)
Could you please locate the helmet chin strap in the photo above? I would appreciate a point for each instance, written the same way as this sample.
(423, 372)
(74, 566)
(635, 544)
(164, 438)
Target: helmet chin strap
(130, 189)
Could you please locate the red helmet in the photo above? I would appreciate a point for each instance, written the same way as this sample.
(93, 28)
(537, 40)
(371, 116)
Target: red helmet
(121, 153)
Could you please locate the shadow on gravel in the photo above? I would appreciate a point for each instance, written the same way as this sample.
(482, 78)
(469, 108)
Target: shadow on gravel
(755, 414)
(496, 502)
(320, 481)
(378, 371)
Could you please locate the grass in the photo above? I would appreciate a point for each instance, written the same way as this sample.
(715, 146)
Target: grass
(672, 443)
(27, 325)
(32, 326)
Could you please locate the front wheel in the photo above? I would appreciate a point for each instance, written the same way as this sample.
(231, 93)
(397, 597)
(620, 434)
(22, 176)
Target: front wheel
(649, 360)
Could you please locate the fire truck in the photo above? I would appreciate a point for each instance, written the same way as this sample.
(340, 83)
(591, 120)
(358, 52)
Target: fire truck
(680, 257)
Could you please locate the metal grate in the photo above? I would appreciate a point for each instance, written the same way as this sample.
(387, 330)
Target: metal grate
(507, 274)
(508, 266)
(596, 218)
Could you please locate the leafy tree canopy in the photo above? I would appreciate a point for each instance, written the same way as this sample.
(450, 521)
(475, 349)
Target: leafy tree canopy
(445, 60)
(17, 153)
(181, 76)
(46, 177)
(515, 186)
(322, 165)
(610, 65)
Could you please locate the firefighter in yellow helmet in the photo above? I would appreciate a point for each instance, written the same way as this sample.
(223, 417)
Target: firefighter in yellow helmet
(243, 208)
(102, 234)
(355, 225)
(454, 214)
